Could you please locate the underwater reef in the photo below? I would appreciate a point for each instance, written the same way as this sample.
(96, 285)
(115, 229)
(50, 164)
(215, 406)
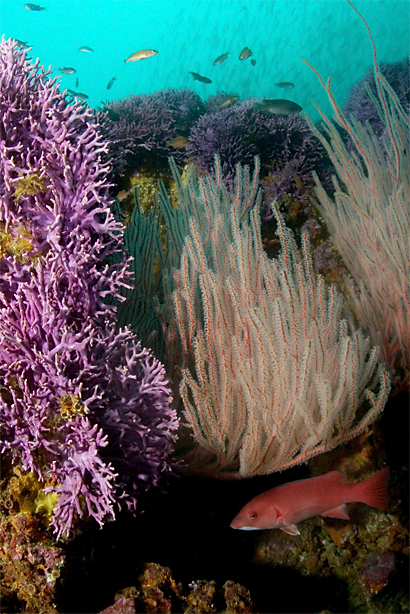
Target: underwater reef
(120, 356)
(143, 131)
(140, 130)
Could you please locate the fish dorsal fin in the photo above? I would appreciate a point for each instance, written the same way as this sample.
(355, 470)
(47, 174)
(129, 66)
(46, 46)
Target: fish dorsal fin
(338, 512)
(290, 529)
(337, 477)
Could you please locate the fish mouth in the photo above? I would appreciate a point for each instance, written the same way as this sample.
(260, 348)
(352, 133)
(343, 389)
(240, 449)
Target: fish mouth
(245, 528)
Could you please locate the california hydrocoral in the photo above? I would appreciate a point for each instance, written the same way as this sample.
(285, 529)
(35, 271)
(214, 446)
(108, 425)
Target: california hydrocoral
(82, 404)
(231, 133)
(140, 128)
(284, 144)
(360, 103)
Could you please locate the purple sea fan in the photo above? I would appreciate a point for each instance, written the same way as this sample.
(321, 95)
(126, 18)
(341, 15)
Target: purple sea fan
(87, 410)
(137, 416)
(54, 192)
(140, 128)
(65, 369)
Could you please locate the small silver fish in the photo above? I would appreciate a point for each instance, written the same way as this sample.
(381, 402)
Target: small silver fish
(111, 83)
(286, 85)
(34, 7)
(279, 106)
(142, 54)
(122, 195)
(86, 49)
(198, 77)
(76, 82)
(245, 53)
(67, 70)
(21, 44)
(178, 142)
(228, 102)
(299, 183)
(220, 59)
(78, 95)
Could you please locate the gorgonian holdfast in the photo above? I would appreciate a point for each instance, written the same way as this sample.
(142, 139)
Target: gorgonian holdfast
(82, 404)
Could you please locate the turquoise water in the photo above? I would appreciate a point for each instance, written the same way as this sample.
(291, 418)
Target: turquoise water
(190, 35)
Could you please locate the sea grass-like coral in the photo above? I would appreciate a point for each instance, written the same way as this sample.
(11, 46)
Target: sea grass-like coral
(82, 404)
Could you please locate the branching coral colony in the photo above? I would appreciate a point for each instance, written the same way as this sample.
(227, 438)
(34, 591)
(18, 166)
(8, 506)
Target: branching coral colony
(83, 405)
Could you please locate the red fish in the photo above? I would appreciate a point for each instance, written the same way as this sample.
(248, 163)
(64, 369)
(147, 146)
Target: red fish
(286, 505)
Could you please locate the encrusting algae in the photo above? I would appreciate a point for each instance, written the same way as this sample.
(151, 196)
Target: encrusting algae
(29, 185)
(72, 407)
(15, 243)
(25, 495)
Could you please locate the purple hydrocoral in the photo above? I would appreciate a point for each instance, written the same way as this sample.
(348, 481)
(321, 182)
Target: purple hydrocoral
(139, 128)
(82, 404)
(293, 152)
(360, 104)
(284, 144)
(232, 133)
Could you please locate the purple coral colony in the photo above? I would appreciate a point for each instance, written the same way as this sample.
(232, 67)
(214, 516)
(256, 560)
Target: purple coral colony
(83, 406)
(87, 417)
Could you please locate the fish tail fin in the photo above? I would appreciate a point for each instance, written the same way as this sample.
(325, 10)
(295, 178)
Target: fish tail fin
(373, 491)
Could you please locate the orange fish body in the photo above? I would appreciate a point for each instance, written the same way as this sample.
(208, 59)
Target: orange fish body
(327, 495)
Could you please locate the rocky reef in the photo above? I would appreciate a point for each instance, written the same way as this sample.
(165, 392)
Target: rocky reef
(87, 426)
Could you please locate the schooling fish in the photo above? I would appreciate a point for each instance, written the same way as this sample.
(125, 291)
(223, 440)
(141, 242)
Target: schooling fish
(284, 506)
(111, 83)
(78, 95)
(279, 106)
(245, 53)
(227, 102)
(286, 85)
(143, 54)
(21, 44)
(67, 70)
(253, 62)
(34, 7)
(198, 77)
(86, 49)
(220, 59)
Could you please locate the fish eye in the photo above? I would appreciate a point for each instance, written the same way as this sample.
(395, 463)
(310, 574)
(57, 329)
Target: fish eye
(253, 515)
